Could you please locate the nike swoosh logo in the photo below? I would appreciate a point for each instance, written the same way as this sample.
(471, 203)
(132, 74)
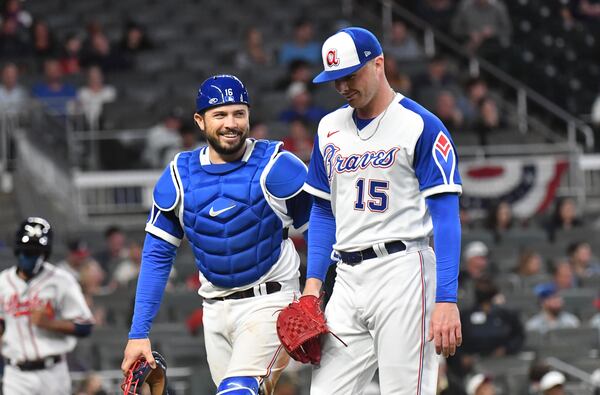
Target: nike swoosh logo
(329, 134)
(214, 213)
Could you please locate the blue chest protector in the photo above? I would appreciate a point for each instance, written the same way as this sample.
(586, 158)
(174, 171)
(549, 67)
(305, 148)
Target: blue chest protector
(236, 236)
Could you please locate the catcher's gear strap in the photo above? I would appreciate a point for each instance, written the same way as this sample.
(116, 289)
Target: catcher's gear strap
(239, 386)
(141, 372)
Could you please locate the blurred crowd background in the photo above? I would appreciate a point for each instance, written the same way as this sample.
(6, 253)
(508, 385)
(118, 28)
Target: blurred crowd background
(96, 97)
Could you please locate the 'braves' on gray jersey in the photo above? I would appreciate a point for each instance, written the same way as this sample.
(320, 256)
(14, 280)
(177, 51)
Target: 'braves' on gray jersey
(53, 289)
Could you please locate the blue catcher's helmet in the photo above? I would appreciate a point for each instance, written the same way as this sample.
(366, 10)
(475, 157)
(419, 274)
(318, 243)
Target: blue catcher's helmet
(220, 90)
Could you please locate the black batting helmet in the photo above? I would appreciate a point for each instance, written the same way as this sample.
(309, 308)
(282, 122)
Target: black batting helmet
(34, 236)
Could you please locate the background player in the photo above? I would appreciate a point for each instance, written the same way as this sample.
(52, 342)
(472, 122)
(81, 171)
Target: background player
(42, 311)
(385, 177)
(234, 200)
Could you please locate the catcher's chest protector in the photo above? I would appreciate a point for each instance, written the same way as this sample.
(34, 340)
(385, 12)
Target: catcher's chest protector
(235, 234)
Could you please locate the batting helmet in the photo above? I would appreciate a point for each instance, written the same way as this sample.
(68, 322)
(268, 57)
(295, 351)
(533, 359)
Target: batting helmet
(220, 90)
(34, 236)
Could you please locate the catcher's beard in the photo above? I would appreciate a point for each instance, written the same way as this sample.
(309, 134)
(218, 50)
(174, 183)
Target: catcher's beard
(223, 149)
(268, 385)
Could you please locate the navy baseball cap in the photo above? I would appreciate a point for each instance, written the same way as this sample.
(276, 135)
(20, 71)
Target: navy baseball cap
(346, 52)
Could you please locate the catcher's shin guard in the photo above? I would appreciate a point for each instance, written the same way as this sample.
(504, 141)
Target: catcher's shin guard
(239, 386)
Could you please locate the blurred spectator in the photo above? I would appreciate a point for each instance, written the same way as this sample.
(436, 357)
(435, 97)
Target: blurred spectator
(301, 106)
(489, 120)
(303, 46)
(254, 53)
(70, 55)
(91, 279)
(530, 264)
(488, 328)
(537, 370)
(13, 96)
(562, 275)
(481, 384)
(484, 24)
(162, 138)
(98, 51)
(126, 272)
(437, 12)
(13, 12)
(14, 43)
(134, 40)
(189, 141)
(589, 10)
(93, 96)
(595, 319)
(475, 265)
(114, 250)
(551, 316)
(448, 383)
(595, 112)
(91, 385)
(437, 78)
(259, 130)
(403, 46)
(398, 81)
(564, 217)
(53, 92)
(298, 71)
(299, 140)
(553, 383)
(44, 45)
(582, 261)
(77, 254)
(447, 111)
(500, 219)
(477, 90)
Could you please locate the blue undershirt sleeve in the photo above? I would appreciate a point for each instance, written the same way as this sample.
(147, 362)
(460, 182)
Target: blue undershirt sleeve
(157, 260)
(321, 238)
(446, 234)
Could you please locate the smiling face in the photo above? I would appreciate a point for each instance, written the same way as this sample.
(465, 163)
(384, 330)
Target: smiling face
(226, 129)
(360, 87)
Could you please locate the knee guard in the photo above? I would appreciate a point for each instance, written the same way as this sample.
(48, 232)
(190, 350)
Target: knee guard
(239, 386)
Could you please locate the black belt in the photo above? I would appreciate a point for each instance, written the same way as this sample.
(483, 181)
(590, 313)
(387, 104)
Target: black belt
(356, 257)
(271, 287)
(37, 364)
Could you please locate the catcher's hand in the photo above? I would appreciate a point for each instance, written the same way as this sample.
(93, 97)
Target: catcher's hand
(141, 372)
(300, 326)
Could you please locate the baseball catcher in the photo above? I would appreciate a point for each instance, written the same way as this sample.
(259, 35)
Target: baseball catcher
(300, 326)
(141, 372)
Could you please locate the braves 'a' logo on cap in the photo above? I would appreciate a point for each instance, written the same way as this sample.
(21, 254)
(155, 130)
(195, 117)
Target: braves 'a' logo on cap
(332, 58)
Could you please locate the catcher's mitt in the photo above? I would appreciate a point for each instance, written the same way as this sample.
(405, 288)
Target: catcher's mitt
(300, 326)
(141, 372)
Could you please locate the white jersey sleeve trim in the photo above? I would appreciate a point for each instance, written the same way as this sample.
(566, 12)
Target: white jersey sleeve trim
(161, 234)
(316, 192)
(452, 188)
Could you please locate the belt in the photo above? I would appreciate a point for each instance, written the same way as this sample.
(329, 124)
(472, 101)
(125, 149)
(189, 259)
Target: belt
(356, 257)
(37, 364)
(258, 290)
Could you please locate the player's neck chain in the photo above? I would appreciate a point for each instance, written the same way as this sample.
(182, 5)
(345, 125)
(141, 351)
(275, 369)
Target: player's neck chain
(378, 122)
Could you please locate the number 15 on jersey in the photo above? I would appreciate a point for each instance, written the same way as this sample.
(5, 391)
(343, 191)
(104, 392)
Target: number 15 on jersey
(377, 191)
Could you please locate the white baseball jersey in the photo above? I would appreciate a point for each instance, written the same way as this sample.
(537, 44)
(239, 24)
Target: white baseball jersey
(377, 178)
(52, 287)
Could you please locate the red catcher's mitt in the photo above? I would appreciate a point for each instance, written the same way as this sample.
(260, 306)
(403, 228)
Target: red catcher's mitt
(300, 326)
